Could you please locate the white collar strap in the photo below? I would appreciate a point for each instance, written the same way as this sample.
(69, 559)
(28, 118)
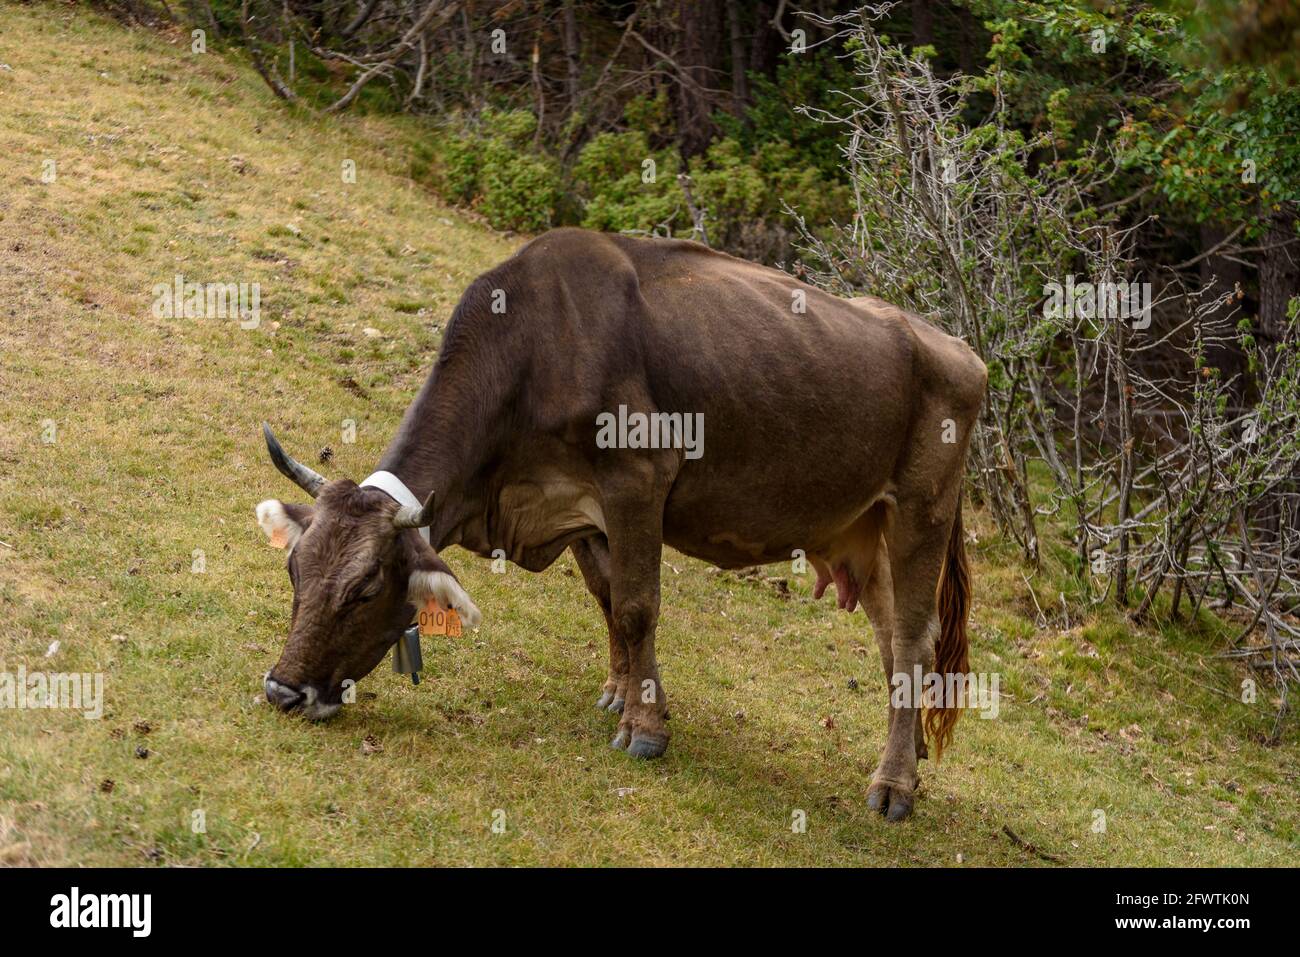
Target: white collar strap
(396, 489)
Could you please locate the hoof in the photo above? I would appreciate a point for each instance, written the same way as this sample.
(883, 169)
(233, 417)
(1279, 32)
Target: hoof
(647, 745)
(898, 811)
(621, 739)
(891, 801)
(603, 701)
(615, 706)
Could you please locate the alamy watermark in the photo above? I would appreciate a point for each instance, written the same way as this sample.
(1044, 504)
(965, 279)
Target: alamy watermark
(133, 912)
(651, 430)
(1130, 301)
(179, 299)
(29, 691)
(978, 691)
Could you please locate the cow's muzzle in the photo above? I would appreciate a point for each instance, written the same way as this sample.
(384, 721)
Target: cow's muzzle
(305, 700)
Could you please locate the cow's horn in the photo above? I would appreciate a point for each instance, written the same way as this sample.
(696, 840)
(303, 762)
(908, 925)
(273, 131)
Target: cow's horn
(411, 516)
(306, 479)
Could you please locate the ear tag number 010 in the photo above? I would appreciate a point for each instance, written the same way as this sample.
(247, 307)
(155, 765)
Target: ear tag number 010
(435, 620)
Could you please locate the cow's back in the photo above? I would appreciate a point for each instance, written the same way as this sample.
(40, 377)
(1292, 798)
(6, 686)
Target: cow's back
(807, 399)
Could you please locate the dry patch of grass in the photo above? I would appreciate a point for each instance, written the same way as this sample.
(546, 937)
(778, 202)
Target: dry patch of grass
(169, 163)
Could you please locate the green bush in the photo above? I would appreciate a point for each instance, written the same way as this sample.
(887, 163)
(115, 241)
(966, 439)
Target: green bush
(519, 190)
(619, 189)
(490, 165)
(460, 168)
(620, 182)
(745, 194)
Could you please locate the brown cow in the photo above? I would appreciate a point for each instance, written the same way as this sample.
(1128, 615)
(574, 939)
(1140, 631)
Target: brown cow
(834, 427)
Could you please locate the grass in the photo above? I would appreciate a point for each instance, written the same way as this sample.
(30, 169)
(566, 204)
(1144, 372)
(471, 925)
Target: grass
(172, 163)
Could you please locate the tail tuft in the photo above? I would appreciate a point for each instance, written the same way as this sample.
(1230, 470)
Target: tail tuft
(951, 653)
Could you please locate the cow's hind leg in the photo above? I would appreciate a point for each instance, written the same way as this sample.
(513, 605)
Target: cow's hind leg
(917, 544)
(592, 556)
(878, 602)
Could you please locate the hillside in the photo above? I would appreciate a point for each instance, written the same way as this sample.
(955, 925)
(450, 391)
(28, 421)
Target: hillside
(130, 541)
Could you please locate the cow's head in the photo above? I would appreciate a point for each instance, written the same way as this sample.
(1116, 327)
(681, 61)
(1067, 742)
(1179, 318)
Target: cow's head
(360, 569)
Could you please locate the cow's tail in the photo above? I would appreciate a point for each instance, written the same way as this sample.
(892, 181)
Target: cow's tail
(952, 648)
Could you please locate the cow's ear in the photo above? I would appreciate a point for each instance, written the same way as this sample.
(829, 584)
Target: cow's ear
(284, 522)
(431, 578)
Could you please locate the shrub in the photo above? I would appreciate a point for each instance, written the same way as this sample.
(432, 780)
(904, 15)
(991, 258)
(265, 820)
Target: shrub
(490, 165)
(745, 194)
(610, 181)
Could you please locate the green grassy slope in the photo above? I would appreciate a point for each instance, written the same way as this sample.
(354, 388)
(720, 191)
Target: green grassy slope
(172, 163)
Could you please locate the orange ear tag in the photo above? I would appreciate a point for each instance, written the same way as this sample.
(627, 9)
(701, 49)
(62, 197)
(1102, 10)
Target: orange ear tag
(279, 539)
(434, 620)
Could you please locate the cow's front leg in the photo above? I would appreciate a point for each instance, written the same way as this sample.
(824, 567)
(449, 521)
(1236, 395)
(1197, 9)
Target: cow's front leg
(592, 556)
(643, 729)
(636, 545)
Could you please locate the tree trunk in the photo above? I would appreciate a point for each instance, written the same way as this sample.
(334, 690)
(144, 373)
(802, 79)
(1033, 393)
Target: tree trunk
(969, 33)
(739, 82)
(765, 47)
(1279, 282)
(922, 22)
(1223, 272)
(1279, 273)
(1223, 277)
(572, 51)
(699, 22)
(1125, 478)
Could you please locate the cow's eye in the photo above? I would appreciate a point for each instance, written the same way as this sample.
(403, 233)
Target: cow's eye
(365, 589)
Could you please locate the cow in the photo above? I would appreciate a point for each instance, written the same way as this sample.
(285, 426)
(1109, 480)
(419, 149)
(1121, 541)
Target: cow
(836, 429)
